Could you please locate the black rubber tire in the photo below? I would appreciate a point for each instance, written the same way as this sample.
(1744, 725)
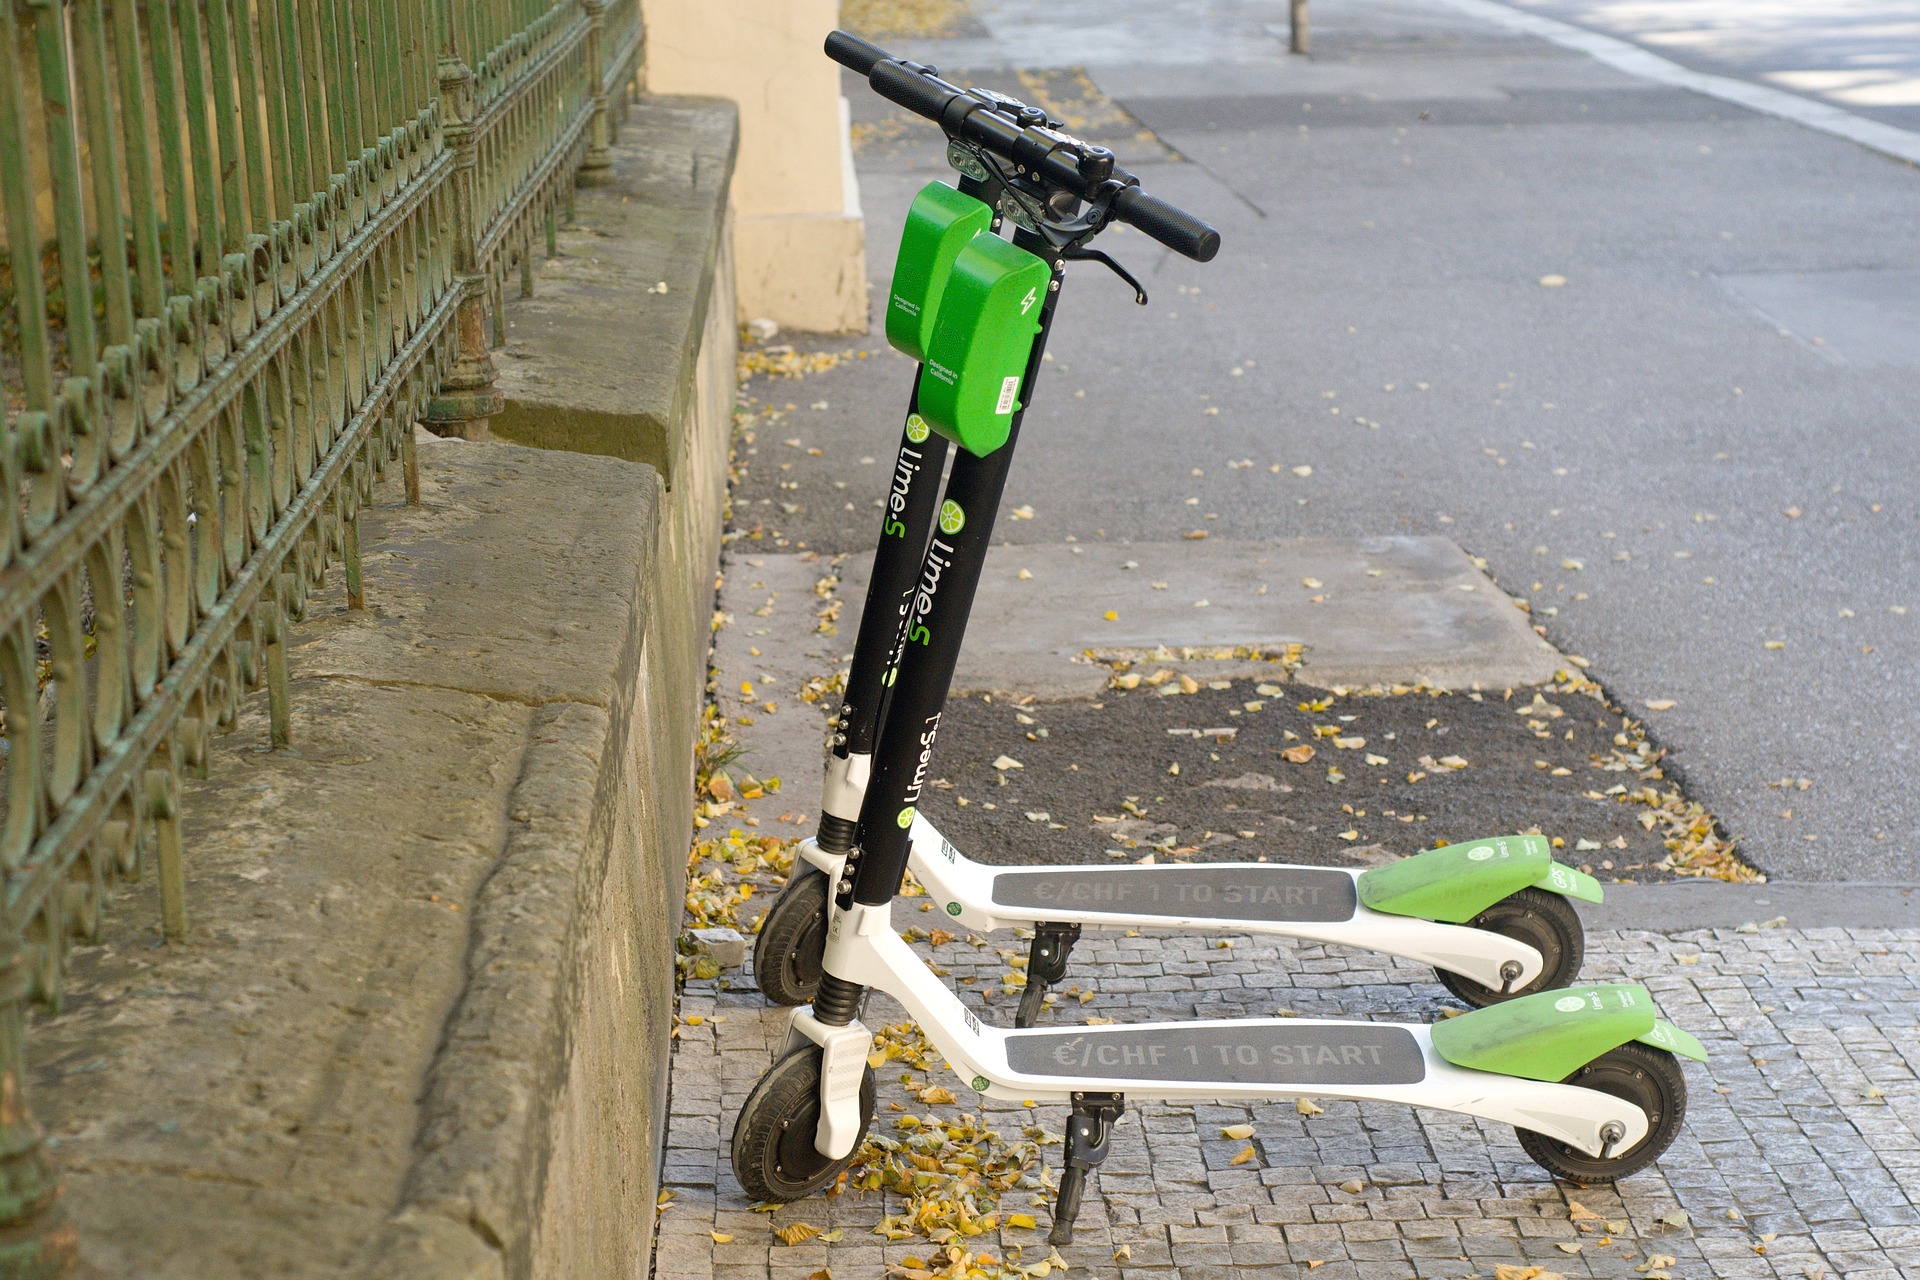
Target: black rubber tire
(1543, 920)
(793, 938)
(773, 1152)
(1649, 1078)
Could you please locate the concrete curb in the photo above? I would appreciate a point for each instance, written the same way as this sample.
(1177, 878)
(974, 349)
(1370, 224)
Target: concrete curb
(1622, 55)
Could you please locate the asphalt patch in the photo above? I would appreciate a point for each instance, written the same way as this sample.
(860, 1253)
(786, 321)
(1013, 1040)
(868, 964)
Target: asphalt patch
(1097, 780)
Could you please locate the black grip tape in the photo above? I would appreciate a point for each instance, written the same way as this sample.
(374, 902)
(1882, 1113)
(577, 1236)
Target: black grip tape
(1181, 232)
(851, 51)
(909, 89)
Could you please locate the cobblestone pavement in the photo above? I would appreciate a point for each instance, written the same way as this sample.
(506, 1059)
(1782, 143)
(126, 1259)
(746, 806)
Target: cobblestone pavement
(1800, 1155)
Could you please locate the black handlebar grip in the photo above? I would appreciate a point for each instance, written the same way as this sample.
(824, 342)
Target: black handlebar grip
(910, 89)
(1181, 232)
(851, 51)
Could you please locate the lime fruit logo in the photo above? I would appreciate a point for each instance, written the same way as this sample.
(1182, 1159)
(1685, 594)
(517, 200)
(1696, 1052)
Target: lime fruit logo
(953, 908)
(1570, 1004)
(952, 518)
(981, 1084)
(905, 817)
(916, 428)
(1480, 854)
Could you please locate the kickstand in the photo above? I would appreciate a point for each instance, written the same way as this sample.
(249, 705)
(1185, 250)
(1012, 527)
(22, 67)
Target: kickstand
(1046, 965)
(1089, 1130)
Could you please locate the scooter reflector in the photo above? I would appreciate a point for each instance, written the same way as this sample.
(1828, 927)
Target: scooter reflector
(982, 337)
(939, 225)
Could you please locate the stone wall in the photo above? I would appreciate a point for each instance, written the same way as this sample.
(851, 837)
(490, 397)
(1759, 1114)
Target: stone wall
(420, 1025)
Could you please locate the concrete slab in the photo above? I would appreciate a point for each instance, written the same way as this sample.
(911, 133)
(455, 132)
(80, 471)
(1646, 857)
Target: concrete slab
(1869, 317)
(1380, 611)
(769, 646)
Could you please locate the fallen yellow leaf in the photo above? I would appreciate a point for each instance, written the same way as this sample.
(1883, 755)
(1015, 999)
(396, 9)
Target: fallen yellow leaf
(1246, 1153)
(1306, 1107)
(797, 1233)
(1297, 755)
(1237, 1131)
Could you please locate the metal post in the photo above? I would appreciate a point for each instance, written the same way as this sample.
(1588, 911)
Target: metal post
(467, 397)
(598, 159)
(1298, 37)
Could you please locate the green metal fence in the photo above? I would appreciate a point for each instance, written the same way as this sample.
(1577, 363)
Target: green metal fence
(249, 243)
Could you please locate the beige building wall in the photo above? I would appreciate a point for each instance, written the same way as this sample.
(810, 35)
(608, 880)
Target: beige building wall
(799, 238)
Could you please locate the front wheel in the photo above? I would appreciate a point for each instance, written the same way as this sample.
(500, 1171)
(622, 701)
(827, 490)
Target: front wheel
(773, 1152)
(793, 939)
(1544, 921)
(1648, 1078)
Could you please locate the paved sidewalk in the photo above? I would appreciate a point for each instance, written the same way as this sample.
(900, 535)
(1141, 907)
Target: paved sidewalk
(1800, 1155)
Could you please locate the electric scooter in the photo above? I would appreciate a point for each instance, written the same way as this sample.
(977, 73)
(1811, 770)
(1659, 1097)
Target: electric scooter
(1589, 1076)
(1491, 916)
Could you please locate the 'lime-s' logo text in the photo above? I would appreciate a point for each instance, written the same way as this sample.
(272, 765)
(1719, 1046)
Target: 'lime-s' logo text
(952, 517)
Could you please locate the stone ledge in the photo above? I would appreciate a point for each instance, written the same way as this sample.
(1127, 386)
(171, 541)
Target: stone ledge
(569, 370)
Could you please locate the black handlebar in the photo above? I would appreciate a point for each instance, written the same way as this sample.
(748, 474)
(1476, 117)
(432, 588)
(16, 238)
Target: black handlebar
(1178, 230)
(1045, 154)
(851, 51)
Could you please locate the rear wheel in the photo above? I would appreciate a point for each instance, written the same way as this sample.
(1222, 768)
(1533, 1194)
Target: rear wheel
(1544, 921)
(773, 1152)
(793, 938)
(1647, 1077)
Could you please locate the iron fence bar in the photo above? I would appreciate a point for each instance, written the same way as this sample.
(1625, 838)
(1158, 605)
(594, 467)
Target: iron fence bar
(139, 156)
(23, 227)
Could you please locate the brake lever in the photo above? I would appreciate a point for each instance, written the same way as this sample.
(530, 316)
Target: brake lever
(1079, 254)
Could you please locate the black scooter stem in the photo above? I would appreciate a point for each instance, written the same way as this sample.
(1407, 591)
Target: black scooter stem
(937, 622)
(912, 496)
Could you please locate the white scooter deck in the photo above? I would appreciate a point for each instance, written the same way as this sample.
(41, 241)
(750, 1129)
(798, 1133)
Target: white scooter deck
(1317, 904)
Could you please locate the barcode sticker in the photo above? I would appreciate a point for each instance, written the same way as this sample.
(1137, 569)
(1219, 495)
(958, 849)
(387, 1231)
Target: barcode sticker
(1008, 388)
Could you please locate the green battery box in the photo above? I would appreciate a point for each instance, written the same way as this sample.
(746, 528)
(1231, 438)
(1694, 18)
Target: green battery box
(983, 334)
(941, 223)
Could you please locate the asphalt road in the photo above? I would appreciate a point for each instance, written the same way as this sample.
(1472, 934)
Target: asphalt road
(1860, 55)
(1696, 456)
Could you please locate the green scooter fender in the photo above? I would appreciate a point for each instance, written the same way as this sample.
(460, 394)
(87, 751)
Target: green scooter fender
(1456, 883)
(1551, 1035)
